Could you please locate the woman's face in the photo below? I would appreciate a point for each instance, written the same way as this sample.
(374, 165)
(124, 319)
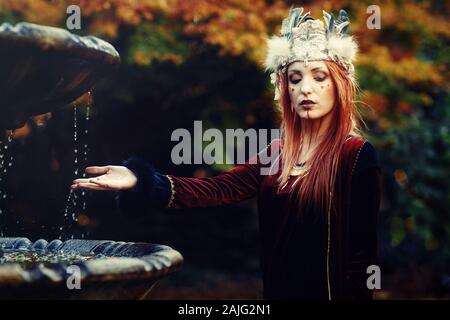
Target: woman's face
(311, 84)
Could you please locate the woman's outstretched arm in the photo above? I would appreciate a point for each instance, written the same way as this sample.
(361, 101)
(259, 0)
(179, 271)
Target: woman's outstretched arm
(140, 186)
(235, 185)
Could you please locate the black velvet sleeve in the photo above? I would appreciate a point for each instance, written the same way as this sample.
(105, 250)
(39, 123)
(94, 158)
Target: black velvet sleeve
(364, 207)
(151, 191)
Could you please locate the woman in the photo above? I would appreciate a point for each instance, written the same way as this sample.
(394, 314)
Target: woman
(317, 211)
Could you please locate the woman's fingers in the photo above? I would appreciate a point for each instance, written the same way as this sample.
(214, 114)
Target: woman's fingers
(88, 186)
(89, 179)
(100, 183)
(91, 182)
(81, 180)
(97, 170)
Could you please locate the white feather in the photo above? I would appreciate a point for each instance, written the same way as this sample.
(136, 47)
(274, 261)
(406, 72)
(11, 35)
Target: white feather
(278, 52)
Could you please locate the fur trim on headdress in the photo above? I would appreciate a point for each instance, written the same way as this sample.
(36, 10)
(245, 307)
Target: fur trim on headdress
(278, 53)
(342, 47)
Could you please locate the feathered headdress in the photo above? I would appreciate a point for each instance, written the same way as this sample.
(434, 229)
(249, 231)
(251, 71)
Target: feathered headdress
(303, 38)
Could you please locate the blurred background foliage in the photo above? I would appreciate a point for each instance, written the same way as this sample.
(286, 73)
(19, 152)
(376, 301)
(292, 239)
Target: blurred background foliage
(186, 60)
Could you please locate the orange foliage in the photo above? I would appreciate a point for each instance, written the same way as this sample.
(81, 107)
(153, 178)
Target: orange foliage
(38, 11)
(241, 27)
(377, 102)
(404, 107)
(410, 70)
(238, 27)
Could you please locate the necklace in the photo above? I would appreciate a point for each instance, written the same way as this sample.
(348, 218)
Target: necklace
(299, 169)
(296, 171)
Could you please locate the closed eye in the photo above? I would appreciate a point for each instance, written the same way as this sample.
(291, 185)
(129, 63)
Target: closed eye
(295, 81)
(319, 79)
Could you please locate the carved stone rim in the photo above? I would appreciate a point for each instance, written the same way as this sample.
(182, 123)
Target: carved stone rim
(121, 261)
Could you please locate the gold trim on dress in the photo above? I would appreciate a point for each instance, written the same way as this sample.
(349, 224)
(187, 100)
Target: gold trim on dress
(328, 246)
(172, 191)
(329, 225)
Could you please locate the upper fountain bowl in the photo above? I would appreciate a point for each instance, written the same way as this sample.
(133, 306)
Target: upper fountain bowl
(43, 68)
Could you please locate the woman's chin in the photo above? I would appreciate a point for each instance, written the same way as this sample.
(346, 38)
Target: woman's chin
(308, 114)
(314, 113)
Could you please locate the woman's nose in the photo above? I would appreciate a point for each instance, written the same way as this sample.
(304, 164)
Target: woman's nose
(306, 88)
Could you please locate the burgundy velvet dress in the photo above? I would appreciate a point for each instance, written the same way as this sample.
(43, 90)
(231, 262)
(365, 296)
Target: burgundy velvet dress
(320, 255)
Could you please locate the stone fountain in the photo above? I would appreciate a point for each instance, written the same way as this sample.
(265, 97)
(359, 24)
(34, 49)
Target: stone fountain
(43, 68)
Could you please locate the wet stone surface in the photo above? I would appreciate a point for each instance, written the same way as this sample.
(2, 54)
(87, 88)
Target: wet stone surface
(28, 259)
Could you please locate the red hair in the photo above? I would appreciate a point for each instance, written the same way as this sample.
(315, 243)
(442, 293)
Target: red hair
(320, 180)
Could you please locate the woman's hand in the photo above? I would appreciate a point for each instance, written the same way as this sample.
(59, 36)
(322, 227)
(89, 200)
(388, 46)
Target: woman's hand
(111, 178)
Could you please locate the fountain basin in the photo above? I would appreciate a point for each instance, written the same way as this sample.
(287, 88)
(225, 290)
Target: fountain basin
(111, 270)
(43, 68)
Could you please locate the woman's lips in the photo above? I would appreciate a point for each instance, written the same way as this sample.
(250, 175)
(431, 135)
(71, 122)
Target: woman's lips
(307, 106)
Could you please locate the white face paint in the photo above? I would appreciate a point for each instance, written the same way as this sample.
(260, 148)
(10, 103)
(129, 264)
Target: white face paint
(311, 83)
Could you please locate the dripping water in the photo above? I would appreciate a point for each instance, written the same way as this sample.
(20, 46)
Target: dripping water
(75, 198)
(6, 163)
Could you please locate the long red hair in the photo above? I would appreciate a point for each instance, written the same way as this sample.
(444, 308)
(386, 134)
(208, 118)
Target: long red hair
(320, 179)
